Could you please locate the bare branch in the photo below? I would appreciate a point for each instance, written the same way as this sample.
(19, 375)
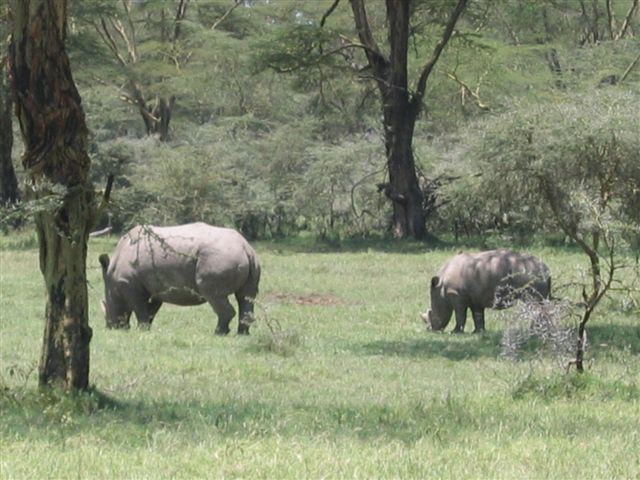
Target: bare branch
(467, 90)
(630, 68)
(105, 198)
(104, 33)
(319, 59)
(127, 8)
(329, 12)
(611, 19)
(118, 27)
(181, 12)
(627, 20)
(226, 14)
(377, 61)
(99, 233)
(446, 35)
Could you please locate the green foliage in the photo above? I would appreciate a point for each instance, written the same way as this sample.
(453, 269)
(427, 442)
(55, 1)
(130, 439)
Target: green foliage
(363, 391)
(575, 387)
(278, 154)
(582, 150)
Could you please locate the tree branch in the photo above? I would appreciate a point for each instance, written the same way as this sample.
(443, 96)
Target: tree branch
(127, 9)
(105, 198)
(328, 12)
(627, 20)
(611, 18)
(118, 27)
(630, 68)
(104, 33)
(428, 68)
(466, 89)
(377, 61)
(319, 59)
(226, 14)
(181, 12)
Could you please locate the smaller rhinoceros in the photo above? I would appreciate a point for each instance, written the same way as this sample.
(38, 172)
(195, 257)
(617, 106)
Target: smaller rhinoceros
(182, 265)
(491, 279)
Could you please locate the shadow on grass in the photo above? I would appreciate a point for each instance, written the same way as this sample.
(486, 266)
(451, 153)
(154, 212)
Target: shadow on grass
(132, 423)
(453, 347)
(604, 338)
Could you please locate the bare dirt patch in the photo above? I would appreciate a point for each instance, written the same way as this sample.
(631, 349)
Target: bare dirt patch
(313, 299)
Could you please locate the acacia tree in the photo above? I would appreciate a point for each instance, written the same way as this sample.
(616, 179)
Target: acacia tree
(401, 105)
(52, 124)
(119, 30)
(577, 163)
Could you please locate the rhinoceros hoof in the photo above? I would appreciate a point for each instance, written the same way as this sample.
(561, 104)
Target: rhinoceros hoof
(222, 332)
(123, 326)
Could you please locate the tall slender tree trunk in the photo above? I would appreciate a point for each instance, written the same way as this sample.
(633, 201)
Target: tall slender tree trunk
(52, 124)
(8, 181)
(399, 121)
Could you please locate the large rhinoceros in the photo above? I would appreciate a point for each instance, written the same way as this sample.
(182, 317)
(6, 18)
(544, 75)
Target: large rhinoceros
(491, 279)
(182, 265)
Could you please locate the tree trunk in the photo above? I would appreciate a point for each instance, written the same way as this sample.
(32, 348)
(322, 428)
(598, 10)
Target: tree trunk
(403, 188)
(400, 107)
(399, 122)
(8, 182)
(55, 136)
(156, 116)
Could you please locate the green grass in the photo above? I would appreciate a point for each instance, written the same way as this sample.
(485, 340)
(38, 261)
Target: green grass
(346, 382)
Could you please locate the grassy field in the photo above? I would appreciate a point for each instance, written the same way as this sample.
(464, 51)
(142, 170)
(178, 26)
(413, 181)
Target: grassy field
(346, 383)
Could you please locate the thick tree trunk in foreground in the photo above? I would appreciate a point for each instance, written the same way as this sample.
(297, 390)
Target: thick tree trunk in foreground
(8, 181)
(53, 128)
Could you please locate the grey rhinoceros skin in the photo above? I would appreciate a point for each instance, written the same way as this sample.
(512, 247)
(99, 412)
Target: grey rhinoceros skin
(491, 279)
(182, 265)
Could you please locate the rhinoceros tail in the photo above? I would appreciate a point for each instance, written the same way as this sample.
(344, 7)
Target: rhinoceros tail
(251, 288)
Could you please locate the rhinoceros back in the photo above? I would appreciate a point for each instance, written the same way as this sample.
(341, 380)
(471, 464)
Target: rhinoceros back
(486, 278)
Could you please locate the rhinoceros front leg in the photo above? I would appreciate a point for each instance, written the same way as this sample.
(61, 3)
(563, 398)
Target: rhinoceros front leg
(478, 319)
(225, 312)
(245, 316)
(461, 318)
(144, 308)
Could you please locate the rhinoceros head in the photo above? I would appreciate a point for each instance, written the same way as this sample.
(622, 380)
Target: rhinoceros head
(438, 316)
(116, 311)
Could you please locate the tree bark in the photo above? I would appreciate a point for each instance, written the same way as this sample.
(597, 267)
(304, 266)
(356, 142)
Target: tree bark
(9, 193)
(399, 123)
(52, 124)
(400, 109)
(399, 120)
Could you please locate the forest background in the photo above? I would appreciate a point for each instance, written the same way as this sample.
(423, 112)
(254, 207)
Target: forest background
(262, 115)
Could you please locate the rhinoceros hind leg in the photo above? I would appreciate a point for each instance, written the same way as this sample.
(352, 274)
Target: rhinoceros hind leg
(245, 317)
(478, 320)
(225, 313)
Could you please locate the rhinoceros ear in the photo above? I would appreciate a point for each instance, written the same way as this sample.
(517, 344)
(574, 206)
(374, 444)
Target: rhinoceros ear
(434, 282)
(104, 261)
